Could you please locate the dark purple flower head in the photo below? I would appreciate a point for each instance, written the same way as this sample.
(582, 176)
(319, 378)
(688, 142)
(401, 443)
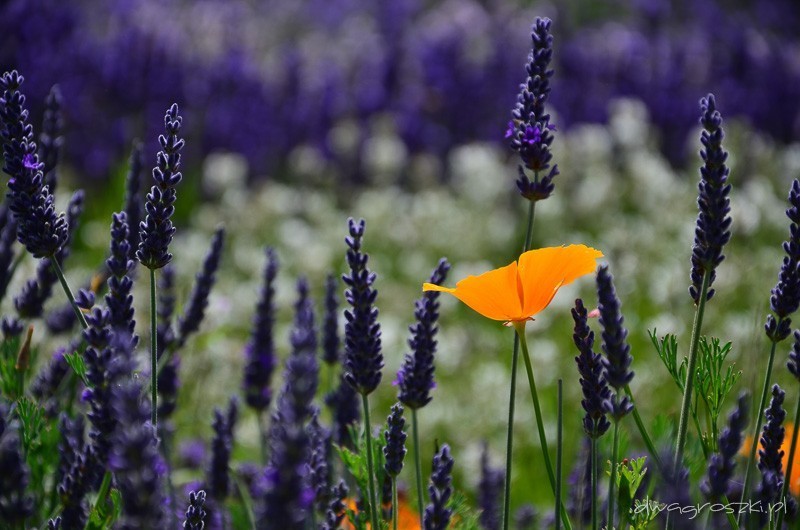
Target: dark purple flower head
(319, 469)
(529, 131)
(120, 284)
(54, 524)
(48, 380)
(770, 454)
(712, 230)
(362, 342)
(11, 327)
(16, 504)
(794, 357)
(346, 411)
(590, 367)
(722, 463)
(335, 512)
(218, 477)
(39, 228)
(156, 231)
(133, 200)
(415, 377)
(195, 514)
(330, 326)
(204, 281)
(74, 486)
(437, 515)
(490, 491)
(617, 360)
(395, 449)
(785, 297)
(8, 238)
(260, 349)
(50, 139)
(303, 336)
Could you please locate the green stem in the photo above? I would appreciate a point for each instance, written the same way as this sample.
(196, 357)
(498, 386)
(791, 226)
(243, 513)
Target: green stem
(787, 480)
(57, 269)
(683, 423)
(417, 465)
(519, 326)
(510, 433)
(612, 479)
(559, 440)
(153, 350)
(394, 503)
(247, 501)
(102, 493)
(648, 442)
(529, 231)
(593, 461)
(373, 504)
(758, 414)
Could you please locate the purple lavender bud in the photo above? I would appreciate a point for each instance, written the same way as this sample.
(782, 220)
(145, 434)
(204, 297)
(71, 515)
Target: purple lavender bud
(50, 139)
(30, 302)
(346, 410)
(530, 131)
(168, 386)
(415, 377)
(318, 469)
(579, 483)
(47, 382)
(260, 349)
(303, 337)
(39, 228)
(217, 476)
(71, 444)
(362, 334)
(133, 200)
(330, 327)
(74, 486)
(204, 280)
(785, 297)
(590, 367)
(335, 511)
(794, 357)
(135, 460)
(490, 491)
(195, 514)
(16, 504)
(156, 231)
(712, 230)
(84, 299)
(770, 454)
(192, 453)
(395, 449)
(8, 236)
(722, 463)
(437, 515)
(119, 298)
(525, 518)
(617, 359)
(11, 327)
(54, 524)
(168, 379)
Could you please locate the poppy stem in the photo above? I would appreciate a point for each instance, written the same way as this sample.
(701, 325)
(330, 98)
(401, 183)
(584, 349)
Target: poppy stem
(519, 326)
(373, 504)
(788, 473)
(690, 370)
(417, 465)
(758, 414)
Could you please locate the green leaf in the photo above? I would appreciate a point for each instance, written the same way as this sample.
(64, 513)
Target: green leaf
(31, 418)
(75, 361)
(667, 349)
(10, 382)
(104, 514)
(356, 464)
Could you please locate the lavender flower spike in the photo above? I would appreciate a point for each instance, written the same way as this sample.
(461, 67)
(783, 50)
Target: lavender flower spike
(617, 360)
(39, 228)
(490, 491)
(395, 449)
(50, 139)
(362, 343)
(204, 281)
(16, 505)
(415, 377)
(335, 513)
(712, 231)
(770, 455)
(722, 464)
(330, 327)
(260, 349)
(133, 202)
(318, 468)
(530, 131)
(785, 297)
(195, 514)
(590, 366)
(218, 478)
(119, 298)
(437, 515)
(156, 231)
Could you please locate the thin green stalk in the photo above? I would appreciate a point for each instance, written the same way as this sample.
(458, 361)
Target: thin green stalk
(102, 494)
(153, 350)
(247, 501)
(759, 413)
(57, 269)
(373, 504)
(559, 440)
(513, 389)
(417, 465)
(612, 479)
(648, 442)
(593, 474)
(520, 329)
(689, 385)
(394, 503)
(787, 480)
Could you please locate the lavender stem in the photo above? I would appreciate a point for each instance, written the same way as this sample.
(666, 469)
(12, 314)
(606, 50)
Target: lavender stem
(68, 292)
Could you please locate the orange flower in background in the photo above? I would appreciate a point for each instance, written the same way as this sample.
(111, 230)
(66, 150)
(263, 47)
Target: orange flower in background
(407, 516)
(518, 291)
(794, 485)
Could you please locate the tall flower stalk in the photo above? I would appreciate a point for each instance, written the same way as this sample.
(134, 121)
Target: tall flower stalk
(157, 230)
(362, 343)
(394, 452)
(712, 232)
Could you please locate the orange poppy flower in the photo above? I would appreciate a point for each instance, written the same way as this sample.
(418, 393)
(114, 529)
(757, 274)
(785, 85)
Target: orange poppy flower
(407, 516)
(518, 291)
(794, 485)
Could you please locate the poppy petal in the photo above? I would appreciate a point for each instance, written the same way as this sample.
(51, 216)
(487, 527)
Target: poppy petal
(493, 294)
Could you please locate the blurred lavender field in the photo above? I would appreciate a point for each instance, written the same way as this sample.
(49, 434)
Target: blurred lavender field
(342, 82)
